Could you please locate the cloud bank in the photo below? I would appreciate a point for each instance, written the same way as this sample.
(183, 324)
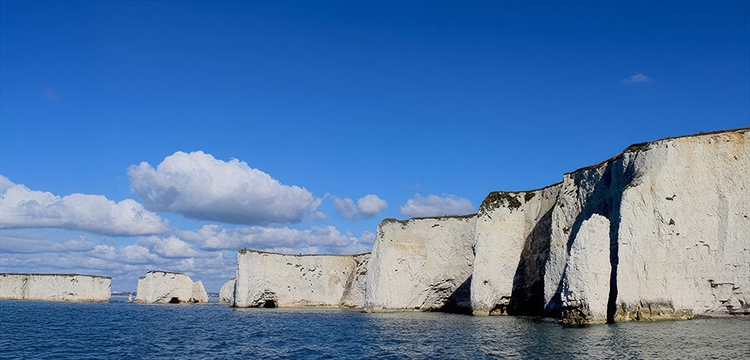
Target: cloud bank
(434, 205)
(367, 206)
(285, 240)
(17, 245)
(24, 208)
(198, 186)
(637, 78)
(169, 247)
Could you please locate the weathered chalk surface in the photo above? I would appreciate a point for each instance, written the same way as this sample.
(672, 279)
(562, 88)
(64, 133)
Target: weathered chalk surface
(277, 280)
(511, 247)
(422, 264)
(660, 231)
(226, 293)
(162, 287)
(55, 287)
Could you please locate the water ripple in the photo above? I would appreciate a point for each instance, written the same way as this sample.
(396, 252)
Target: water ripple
(54, 330)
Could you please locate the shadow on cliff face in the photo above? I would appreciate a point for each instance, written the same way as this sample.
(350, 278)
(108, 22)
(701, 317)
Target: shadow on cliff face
(527, 296)
(604, 200)
(459, 302)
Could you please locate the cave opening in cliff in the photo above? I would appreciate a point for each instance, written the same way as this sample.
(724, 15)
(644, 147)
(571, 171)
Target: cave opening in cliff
(269, 304)
(174, 300)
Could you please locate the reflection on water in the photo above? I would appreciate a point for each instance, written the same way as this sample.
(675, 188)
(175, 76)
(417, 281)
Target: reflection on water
(36, 329)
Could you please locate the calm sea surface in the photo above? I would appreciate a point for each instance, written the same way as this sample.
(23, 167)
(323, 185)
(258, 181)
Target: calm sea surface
(118, 330)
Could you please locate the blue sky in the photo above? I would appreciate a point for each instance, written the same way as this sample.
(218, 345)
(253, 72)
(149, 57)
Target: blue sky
(299, 126)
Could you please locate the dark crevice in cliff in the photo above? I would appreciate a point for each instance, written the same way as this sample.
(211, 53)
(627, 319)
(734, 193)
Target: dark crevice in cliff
(459, 302)
(623, 177)
(591, 205)
(527, 296)
(604, 200)
(174, 300)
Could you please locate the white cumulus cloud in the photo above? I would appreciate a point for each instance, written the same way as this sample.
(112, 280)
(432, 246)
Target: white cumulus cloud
(346, 207)
(198, 186)
(367, 206)
(5, 184)
(312, 240)
(637, 78)
(169, 247)
(21, 207)
(131, 254)
(371, 205)
(434, 205)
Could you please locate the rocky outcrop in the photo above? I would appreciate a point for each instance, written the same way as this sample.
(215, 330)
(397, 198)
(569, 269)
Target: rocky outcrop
(422, 264)
(55, 287)
(277, 280)
(163, 287)
(511, 247)
(661, 231)
(226, 293)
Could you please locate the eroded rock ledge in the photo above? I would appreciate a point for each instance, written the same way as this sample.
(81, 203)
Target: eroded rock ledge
(55, 287)
(661, 231)
(164, 287)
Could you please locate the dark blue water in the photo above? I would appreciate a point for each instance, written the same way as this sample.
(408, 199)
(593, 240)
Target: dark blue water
(116, 330)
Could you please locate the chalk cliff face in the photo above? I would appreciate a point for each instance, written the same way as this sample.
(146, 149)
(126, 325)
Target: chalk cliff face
(226, 293)
(684, 235)
(658, 232)
(583, 193)
(511, 247)
(422, 264)
(162, 287)
(277, 280)
(55, 287)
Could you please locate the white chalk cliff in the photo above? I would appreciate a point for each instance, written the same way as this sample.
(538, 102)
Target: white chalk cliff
(660, 231)
(226, 293)
(277, 280)
(511, 242)
(55, 287)
(671, 218)
(162, 287)
(422, 264)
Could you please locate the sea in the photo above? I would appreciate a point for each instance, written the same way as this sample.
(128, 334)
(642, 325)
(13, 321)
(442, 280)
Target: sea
(122, 330)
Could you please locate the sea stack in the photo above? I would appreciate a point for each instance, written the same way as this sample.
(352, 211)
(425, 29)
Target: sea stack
(55, 287)
(163, 287)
